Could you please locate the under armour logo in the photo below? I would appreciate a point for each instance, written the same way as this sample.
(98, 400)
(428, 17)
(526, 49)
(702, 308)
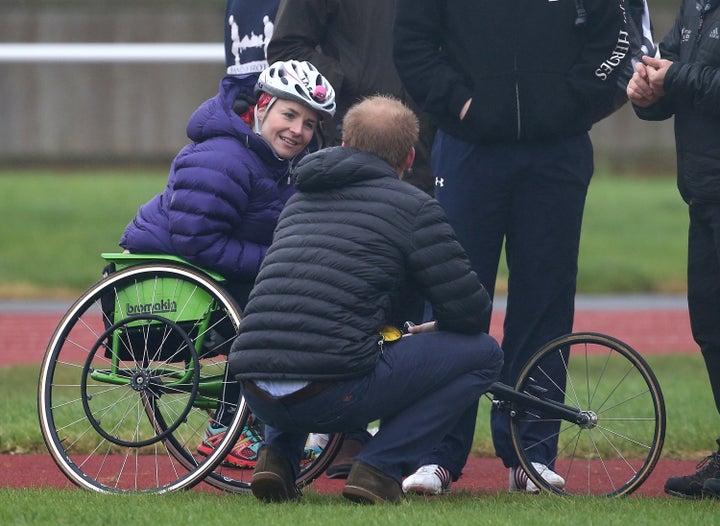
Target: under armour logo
(439, 181)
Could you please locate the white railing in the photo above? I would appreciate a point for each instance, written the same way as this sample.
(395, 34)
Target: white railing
(111, 53)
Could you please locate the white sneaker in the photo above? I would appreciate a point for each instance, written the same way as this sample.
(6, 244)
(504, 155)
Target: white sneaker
(430, 479)
(519, 480)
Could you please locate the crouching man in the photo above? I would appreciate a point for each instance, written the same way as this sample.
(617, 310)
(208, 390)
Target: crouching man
(355, 250)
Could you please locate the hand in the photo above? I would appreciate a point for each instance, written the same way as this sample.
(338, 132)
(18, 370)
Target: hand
(429, 326)
(656, 69)
(639, 89)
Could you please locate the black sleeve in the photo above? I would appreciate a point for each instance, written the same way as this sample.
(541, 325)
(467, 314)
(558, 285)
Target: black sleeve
(441, 267)
(669, 49)
(424, 69)
(590, 83)
(300, 28)
(697, 83)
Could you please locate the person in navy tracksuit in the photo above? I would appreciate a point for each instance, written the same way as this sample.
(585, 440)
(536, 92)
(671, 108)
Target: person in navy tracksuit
(514, 87)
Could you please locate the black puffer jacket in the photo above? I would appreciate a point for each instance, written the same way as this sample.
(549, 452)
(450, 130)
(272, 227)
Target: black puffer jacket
(692, 94)
(349, 247)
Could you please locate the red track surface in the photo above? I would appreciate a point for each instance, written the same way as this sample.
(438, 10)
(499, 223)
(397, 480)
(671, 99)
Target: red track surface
(25, 335)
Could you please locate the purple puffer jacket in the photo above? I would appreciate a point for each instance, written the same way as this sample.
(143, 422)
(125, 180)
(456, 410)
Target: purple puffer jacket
(224, 193)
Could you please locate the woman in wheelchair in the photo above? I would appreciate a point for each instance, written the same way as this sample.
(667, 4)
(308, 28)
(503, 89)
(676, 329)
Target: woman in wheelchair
(227, 187)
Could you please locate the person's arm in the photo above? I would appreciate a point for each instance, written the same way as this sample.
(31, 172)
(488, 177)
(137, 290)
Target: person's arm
(440, 266)
(658, 108)
(427, 75)
(299, 32)
(698, 83)
(206, 210)
(593, 77)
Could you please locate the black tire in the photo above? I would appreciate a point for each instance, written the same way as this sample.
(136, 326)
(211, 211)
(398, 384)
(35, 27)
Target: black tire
(134, 424)
(615, 452)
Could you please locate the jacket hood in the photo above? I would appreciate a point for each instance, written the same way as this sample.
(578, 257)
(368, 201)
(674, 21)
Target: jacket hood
(339, 166)
(216, 118)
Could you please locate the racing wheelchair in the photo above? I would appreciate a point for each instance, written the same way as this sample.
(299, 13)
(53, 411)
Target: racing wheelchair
(133, 374)
(136, 368)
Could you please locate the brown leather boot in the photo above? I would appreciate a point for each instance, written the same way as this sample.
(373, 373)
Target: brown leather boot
(368, 485)
(273, 479)
(340, 467)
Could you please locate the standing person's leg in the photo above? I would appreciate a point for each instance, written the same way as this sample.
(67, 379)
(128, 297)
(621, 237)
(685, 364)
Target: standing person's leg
(542, 251)
(454, 448)
(472, 185)
(703, 275)
(420, 173)
(704, 288)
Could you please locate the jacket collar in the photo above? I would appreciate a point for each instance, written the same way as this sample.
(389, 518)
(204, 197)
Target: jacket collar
(339, 166)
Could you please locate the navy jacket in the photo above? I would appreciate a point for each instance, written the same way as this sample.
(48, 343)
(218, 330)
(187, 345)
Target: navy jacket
(531, 71)
(249, 26)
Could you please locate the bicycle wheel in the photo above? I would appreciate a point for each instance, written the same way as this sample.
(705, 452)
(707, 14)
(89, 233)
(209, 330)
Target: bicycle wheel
(620, 440)
(131, 376)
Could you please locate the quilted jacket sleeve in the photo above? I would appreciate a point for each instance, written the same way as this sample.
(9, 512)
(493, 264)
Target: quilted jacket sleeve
(207, 208)
(439, 264)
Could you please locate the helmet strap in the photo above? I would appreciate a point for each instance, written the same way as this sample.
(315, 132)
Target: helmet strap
(258, 122)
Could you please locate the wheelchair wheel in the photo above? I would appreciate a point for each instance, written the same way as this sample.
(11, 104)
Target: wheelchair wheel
(616, 449)
(131, 377)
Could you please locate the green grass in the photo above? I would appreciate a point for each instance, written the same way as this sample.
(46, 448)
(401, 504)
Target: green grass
(61, 222)
(57, 223)
(69, 507)
(634, 236)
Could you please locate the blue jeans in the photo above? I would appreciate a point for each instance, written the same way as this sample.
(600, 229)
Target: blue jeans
(530, 196)
(424, 390)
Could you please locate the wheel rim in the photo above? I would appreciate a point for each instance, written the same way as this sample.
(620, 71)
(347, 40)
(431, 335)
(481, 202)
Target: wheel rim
(620, 440)
(141, 463)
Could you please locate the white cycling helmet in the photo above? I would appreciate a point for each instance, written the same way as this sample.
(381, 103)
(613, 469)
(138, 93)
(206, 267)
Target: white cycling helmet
(298, 81)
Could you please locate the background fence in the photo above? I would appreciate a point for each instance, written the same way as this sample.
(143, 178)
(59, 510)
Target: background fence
(119, 102)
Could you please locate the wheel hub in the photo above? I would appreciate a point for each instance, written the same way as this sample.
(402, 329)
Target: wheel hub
(140, 380)
(589, 419)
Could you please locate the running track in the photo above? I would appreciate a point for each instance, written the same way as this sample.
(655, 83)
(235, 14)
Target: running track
(658, 325)
(649, 325)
